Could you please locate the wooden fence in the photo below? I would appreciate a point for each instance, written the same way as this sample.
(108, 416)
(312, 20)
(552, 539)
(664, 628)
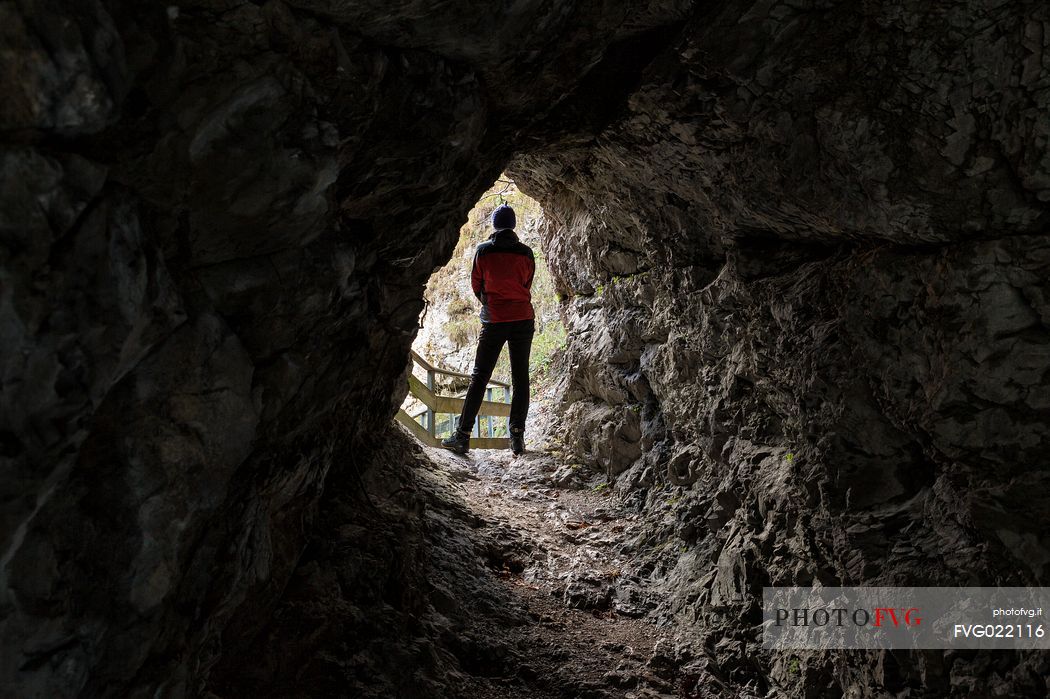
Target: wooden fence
(423, 425)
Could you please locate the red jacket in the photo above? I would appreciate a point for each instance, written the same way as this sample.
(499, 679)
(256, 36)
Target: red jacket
(502, 278)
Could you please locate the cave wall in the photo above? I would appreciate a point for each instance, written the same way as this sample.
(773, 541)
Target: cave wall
(810, 229)
(806, 279)
(216, 222)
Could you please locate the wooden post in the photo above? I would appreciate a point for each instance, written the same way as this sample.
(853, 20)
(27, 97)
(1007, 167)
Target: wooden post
(431, 423)
(506, 399)
(488, 397)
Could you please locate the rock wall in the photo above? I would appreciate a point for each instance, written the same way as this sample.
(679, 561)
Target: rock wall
(807, 274)
(805, 229)
(216, 222)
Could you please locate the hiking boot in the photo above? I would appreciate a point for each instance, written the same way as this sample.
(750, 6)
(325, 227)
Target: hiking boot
(517, 441)
(458, 442)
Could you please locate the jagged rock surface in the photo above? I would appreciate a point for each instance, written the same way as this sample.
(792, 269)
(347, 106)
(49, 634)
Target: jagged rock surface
(808, 291)
(814, 229)
(217, 219)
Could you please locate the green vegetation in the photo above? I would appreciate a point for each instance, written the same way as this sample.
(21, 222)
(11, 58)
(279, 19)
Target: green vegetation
(615, 280)
(548, 340)
(462, 330)
(460, 306)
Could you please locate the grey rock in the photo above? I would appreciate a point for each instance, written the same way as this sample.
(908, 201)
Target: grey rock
(568, 477)
(804, 244)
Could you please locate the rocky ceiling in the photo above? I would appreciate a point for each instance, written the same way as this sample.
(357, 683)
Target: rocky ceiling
(811, 228)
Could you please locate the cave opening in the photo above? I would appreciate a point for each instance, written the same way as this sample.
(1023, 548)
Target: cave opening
(800, 260)
(449, 325)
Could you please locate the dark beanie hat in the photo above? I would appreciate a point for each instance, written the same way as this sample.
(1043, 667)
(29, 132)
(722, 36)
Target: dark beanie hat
(503, 217)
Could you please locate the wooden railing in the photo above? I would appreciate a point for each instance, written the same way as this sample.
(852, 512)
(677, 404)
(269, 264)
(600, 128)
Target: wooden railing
(423, 425)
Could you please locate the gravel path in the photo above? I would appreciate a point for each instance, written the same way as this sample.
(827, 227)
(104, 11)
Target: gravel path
(564, 555)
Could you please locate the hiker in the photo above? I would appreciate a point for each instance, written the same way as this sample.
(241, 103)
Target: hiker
(501, 277)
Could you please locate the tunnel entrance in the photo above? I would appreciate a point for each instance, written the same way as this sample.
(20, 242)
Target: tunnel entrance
(805, 253)
(450, 325)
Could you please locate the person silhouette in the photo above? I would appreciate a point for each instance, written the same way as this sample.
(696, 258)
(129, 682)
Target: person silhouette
(501, 277)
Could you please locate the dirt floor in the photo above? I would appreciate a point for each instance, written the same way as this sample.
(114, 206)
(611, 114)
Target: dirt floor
(436, 575)
(563, 555)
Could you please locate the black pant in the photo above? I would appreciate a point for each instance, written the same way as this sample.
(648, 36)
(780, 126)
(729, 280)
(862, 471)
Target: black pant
(518, 336)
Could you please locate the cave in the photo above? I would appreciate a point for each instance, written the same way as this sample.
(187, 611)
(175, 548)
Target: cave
(802, 255)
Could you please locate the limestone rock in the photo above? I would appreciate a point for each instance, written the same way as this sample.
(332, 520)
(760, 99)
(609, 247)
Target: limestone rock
(804, 243)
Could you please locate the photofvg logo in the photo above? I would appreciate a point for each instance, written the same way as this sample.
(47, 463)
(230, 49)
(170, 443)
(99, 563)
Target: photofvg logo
(805, 618)
(840, 616)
